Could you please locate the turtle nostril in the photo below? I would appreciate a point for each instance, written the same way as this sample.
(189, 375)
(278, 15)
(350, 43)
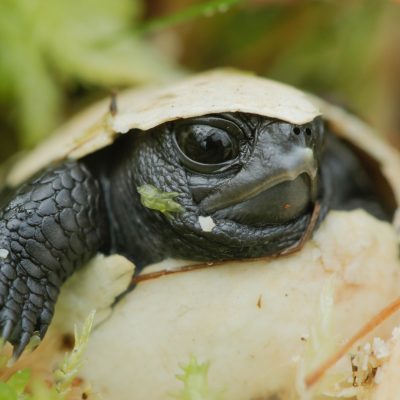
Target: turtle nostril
(308, 131)
(296, 131)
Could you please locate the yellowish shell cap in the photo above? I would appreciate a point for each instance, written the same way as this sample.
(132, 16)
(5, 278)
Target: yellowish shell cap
(223, 90)
(217, 91)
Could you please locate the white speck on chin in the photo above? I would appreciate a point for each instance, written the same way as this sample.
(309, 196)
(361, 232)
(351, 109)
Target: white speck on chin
(206, 223)
(4, 253)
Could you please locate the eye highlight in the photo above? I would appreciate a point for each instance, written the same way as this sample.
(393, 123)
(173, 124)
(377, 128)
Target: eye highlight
(212, 144)
(206, 144)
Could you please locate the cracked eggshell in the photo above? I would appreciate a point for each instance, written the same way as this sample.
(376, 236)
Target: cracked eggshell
(261, 325)
(215, 91)
(257, 323)
(388, 386)
(221, 90)
(94, 287)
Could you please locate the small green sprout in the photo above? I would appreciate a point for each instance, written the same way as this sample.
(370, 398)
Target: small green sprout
(195, 383)
(155, 199)
(15, 388)
(69, 368)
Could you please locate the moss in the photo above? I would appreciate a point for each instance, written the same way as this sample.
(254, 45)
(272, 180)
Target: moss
(21, 385)
(195, 383)
(155, 199)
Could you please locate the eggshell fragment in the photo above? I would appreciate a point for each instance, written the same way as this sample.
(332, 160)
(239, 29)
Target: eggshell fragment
(262, 325)
(223, 90)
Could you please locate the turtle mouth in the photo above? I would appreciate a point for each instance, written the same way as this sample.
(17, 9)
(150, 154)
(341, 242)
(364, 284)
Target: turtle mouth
(268, 192)
(280, 203)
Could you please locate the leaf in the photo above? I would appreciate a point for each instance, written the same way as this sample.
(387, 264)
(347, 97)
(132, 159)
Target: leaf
(104, 50)
(155, 199)
(47, 47)
(207, 9)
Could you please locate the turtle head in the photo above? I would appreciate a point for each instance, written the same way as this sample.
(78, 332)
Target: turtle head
(250, 169)
(254, 178)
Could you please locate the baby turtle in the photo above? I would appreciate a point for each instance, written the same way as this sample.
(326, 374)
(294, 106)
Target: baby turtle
(237, 165)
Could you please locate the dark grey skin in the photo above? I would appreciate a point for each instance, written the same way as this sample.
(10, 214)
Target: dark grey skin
(258, 178)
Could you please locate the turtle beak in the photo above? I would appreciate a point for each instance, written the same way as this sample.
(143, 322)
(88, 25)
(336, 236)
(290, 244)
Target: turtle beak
(274, 160)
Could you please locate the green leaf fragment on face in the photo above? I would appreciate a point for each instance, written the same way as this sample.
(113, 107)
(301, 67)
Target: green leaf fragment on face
(155, 199)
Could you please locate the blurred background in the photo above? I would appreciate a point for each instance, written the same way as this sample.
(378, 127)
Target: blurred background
(57, 56)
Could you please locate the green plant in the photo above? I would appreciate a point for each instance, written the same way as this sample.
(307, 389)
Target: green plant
(195, 383)
(21, 386)
(155, 199)
(50, 47)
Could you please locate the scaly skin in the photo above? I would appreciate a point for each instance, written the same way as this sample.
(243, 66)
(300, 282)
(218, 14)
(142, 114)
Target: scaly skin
(58, 220)
(152, 159)
(52, 226)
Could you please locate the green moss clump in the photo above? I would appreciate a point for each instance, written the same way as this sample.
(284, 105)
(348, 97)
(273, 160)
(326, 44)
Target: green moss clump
(155, 199)
(20, 386)
(195, 383)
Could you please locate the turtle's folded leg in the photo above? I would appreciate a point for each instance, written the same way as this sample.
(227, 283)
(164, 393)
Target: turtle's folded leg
(52, 225)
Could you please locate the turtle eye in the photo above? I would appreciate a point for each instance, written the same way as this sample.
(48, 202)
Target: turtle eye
(207, 144)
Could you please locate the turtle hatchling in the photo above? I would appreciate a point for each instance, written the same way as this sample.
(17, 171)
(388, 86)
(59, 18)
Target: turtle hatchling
(223, 165)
